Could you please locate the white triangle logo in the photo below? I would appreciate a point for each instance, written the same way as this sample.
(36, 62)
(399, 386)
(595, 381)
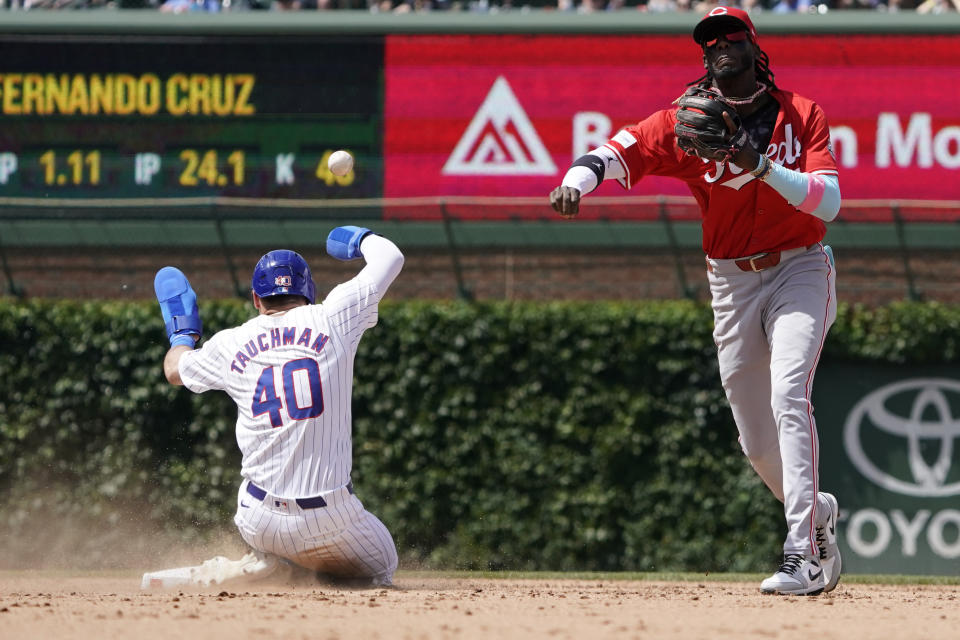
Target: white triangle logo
(500, 140)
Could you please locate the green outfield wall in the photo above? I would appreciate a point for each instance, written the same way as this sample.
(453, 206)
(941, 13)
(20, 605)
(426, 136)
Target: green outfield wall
(505, 436)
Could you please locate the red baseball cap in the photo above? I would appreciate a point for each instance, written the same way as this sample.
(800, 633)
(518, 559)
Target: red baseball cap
(720, 15)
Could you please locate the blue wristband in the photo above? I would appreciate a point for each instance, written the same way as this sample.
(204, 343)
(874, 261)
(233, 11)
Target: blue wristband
(185, 339)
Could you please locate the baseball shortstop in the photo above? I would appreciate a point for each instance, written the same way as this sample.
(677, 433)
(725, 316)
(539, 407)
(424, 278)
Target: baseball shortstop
(759, 162)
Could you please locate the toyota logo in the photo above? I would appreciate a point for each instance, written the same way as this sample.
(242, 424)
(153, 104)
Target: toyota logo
(930, 420)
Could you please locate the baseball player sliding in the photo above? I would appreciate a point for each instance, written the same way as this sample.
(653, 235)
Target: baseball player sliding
(759, 163)
(290, 371)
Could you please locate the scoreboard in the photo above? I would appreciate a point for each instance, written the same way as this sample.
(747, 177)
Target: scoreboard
(159, 116)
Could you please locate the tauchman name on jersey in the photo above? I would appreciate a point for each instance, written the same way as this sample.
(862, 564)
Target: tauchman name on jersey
(279, 337)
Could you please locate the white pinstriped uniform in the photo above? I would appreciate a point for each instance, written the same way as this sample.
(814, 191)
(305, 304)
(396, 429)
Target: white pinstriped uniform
(291, 376)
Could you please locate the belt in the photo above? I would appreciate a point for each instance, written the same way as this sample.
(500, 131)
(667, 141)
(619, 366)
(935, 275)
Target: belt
(761, 261)
(304, 503)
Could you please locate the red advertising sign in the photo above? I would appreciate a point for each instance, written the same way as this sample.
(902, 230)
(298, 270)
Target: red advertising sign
(506, 115)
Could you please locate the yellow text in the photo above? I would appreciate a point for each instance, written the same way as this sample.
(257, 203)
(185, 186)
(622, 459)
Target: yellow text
(123, 94)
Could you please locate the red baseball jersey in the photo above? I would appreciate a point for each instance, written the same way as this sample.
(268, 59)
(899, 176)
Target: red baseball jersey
(742, 216)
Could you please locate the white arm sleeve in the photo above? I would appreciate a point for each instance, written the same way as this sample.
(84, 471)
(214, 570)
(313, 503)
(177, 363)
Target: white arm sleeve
(384, 261)
(584, 180)
(813, 193)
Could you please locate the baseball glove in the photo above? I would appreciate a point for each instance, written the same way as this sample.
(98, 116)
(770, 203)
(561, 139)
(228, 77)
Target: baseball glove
(701, 130)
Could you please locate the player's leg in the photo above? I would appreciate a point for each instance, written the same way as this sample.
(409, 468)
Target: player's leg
(257, 526)
(744, 360)
(264, 529)
(359, 547)
(802, 309)
(828, 511)
(379, 550)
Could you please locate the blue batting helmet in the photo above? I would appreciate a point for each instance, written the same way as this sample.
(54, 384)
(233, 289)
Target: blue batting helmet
(283, 273)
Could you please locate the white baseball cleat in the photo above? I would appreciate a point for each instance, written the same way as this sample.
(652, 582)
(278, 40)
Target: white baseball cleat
(254, 566)
(827, 512)
(797, 576)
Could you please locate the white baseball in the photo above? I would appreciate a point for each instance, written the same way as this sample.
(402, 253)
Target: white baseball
(340, 163)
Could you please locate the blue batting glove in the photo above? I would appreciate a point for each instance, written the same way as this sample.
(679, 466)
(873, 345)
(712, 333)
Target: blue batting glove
(178, 303)
(343, 243)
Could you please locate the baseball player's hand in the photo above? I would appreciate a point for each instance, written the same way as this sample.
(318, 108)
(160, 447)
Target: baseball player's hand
(747, 158)
(565, 201)
(343, 243)
(178, 304)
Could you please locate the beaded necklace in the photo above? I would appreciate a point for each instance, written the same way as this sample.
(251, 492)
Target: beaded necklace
(749, 99)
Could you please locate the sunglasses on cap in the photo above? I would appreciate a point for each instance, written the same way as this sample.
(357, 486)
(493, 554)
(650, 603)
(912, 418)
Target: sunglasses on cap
(734, 35)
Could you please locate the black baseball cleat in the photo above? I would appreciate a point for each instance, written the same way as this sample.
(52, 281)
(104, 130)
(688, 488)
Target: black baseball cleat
(797, 576)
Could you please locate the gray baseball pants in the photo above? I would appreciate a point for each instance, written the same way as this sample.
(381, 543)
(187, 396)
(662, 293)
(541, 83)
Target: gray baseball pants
(770, 327)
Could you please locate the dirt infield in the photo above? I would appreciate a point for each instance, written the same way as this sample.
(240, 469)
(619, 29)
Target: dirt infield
(422, 608)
